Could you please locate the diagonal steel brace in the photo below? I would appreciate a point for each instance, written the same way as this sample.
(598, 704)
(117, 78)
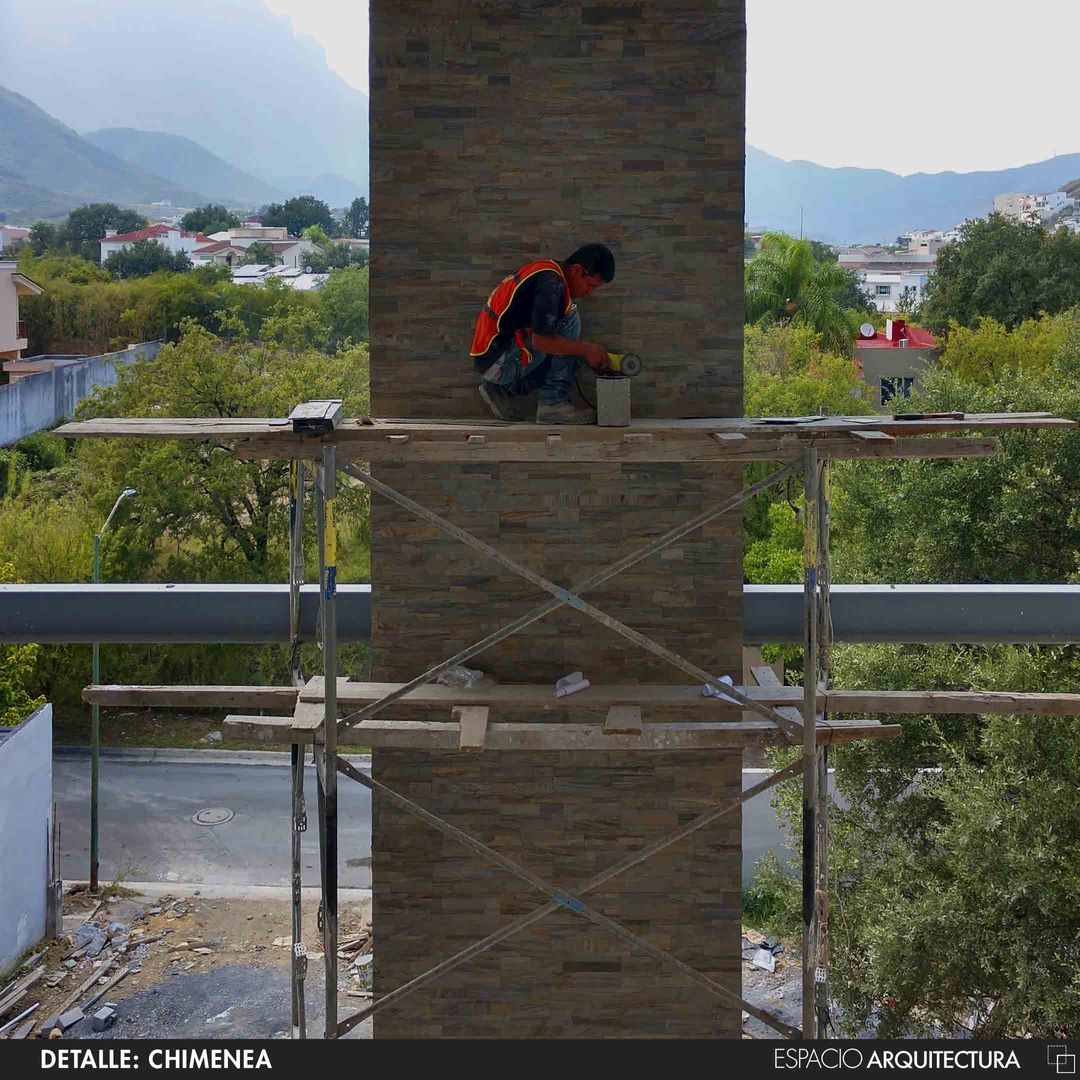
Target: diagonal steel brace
(558, 898)
(792, 730)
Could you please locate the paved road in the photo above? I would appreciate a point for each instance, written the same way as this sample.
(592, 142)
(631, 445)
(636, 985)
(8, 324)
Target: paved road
(147, 832)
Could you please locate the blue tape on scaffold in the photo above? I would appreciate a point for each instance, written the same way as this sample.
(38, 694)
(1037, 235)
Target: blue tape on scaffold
(570, 598)
(811, 576)
(331, 582)
(571, 902)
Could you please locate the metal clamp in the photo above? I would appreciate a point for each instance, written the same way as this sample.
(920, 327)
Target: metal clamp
(568, 901)
(301, 957)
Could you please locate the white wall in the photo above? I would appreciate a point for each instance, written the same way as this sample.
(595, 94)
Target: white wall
(25, 824)
(9, 308)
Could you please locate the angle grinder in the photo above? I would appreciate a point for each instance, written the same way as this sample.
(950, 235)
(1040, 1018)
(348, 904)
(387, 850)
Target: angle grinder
(625, 364)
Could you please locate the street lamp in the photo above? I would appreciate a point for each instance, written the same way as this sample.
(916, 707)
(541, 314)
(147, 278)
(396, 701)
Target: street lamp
(95, 711)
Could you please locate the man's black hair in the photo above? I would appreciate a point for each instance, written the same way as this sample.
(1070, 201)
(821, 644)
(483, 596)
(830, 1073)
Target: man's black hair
(595, 259)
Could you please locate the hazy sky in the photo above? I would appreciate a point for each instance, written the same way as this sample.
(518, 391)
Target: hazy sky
(923, 86)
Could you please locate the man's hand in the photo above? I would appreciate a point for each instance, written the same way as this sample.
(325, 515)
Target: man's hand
(595, 355)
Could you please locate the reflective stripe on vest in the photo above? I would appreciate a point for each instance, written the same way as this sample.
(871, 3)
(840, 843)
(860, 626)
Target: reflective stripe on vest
(498, 303)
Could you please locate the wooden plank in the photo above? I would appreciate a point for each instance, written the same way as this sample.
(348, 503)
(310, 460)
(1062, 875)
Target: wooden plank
(434, 735)
(679, 450)
(473, 723)
(623, 720)
(872, 436)
(952, 701)
(351, 433)
(193, 697)
(310, 714)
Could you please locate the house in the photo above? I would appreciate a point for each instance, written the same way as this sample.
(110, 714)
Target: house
(13, 285)
(11, 235)
(1042, 207)
(290, 250)
(891, 363)
(886, 288)
(171, 237)
(219, 253)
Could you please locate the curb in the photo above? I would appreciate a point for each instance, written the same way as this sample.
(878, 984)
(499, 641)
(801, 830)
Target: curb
(163, 755)
(219, 891)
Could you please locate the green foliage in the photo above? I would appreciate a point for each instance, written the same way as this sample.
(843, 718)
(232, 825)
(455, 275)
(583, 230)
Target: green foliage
(84, 310)
(956, 891)
(201, 514)
(44, 235)
(86, 225)
(208, 219)
(344, 299)
(357, 220)
(260, 253)
(146, 257)
(989, 350)
(1005, 270)
(777, 559)
(786, 285)
(333, 256)
(786, 373)
(1011, 517)
(16, 667)
(299, 212)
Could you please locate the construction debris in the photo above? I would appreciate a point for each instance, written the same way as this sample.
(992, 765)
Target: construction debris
(103, 1019)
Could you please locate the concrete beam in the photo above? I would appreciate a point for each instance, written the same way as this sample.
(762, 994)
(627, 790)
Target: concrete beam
(1046, 614)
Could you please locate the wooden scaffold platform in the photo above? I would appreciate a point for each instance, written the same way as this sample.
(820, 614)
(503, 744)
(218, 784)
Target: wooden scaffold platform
(703, 712)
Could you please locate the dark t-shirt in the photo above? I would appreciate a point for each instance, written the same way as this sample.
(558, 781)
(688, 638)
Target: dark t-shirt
(538, 304)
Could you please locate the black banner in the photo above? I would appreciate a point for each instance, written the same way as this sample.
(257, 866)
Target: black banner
(778, 1058)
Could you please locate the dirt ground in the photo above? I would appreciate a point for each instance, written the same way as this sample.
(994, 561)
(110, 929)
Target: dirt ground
(201, 937)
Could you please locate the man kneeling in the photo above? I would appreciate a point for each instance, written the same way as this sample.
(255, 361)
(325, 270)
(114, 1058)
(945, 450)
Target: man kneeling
(528, 336)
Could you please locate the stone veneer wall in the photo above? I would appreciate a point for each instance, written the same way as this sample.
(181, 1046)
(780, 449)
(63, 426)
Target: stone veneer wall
(502, 131)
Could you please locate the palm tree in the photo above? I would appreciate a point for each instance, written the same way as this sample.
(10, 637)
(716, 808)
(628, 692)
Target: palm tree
(785, 285)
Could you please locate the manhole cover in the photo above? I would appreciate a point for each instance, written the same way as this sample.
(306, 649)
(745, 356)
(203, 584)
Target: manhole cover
(212, 815)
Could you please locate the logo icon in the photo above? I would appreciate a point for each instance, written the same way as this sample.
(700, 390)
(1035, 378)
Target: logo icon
(1064, 1063)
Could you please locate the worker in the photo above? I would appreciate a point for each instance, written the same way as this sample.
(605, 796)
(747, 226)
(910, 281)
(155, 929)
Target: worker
(528, 336)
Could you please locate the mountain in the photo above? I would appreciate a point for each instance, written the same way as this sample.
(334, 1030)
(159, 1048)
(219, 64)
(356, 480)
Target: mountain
(229, 75)
(859, 205)
(185, 162)
(335, 191)
(48, 168)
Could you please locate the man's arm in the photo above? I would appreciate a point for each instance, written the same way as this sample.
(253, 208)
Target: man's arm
(593, 353)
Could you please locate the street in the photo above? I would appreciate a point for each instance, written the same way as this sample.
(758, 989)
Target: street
(147, 832)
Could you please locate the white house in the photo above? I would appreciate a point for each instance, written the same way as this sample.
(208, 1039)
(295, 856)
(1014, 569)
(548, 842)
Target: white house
(11, 235)
(294, 277)
(12, 329)
(1041, 207)
(886, 287)
(171, 237)
(288, 249)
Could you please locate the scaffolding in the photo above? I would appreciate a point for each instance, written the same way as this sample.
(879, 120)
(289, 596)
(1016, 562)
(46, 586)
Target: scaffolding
(635, 717)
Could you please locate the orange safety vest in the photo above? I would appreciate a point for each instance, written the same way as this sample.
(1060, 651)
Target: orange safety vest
(498, 303)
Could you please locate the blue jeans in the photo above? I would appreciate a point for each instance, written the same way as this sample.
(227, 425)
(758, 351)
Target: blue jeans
(552, 375)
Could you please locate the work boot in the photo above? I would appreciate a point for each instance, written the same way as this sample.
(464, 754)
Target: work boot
(499, 400)
(562, 412)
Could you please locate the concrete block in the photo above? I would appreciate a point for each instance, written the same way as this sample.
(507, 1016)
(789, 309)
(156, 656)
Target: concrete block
(613, 401)
(70, 1018)
(103, 1019)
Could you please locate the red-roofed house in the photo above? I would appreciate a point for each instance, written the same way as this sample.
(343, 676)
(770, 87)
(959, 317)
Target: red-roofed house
(219, 253)
(891, 363)
(169, 236)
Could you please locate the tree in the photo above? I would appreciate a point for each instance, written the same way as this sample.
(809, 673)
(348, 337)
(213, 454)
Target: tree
(297, 213)
(201, 513)
(259, 253)
(344, 300)
(989, 350)
(145, 257)
(336, 257)
(785, 286)
(44, 236)
(86, 225)
(208, 219)
(357, 220)
(1007, 270)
